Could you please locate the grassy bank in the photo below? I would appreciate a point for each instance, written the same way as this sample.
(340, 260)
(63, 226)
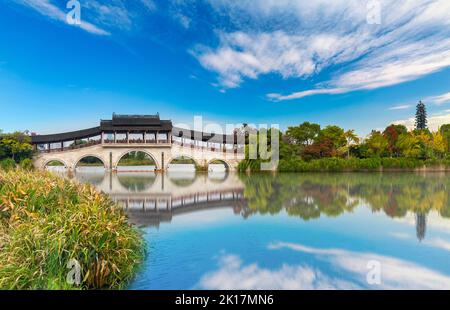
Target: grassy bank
(356, 164)
(45, 221)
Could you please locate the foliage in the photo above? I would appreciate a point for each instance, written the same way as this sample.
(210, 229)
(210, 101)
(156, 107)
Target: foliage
(137, 158)
(45, 221)
(15, 146)
(377, 144)
(26, 164)
(355, 164)
(304, 134)
(301, 146)
(7, 164)
(421, 116)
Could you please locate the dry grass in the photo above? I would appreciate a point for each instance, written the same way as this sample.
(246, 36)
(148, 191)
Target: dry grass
(46, 220)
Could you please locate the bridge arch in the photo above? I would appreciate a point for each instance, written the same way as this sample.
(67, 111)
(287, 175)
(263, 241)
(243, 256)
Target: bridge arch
(223, 161)
(181, 156)
(46, 162)
(84, 156)
(119, 158)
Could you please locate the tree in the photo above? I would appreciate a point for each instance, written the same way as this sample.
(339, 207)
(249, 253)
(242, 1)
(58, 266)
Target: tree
(377, 144)
(408, 145)
(16, 146)
(304, 134)
(391, 133)
(445, 130)
(421, 116)
(351, 138)
(334, 133)
(324, 147)
(439, 144)
(425, 140)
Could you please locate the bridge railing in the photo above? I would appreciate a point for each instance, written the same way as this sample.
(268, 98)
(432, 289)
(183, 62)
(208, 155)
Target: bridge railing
(239, 149)
(71, 147)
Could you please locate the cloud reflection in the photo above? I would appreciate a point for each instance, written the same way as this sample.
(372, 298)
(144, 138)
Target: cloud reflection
(395, 273)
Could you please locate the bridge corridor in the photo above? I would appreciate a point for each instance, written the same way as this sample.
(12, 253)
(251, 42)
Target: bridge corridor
(123, 134)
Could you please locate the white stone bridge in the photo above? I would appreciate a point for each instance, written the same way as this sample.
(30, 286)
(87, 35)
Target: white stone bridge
(115, 138)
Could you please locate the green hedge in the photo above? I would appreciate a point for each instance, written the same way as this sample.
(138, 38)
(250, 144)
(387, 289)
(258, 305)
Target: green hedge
(355, 164)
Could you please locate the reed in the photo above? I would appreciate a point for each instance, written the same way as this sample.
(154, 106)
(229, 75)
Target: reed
(47, 220)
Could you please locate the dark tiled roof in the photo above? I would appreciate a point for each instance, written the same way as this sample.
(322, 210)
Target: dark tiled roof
(133, 123)
(67, 136)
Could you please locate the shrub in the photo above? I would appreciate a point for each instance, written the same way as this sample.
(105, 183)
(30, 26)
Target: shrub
(7, 164)
(26, 164)
(46, 221)
(253, 165)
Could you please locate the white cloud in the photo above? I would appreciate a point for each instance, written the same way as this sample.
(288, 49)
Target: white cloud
(149, 5)
(401, 107)
(113, 14)
(48, 9)
(445, 98)
(434, 122)
(299, 39)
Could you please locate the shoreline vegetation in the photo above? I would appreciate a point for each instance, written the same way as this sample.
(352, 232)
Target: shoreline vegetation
(46, 221)
(310, 148)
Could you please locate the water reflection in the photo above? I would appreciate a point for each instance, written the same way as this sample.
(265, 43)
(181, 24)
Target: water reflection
(222, 230)
(306, 196)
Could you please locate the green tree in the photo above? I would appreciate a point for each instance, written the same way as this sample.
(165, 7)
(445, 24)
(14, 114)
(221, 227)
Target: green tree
(304, 134)
(377, 144)
(421, 116)
(391, 133)
(408, 145)
(445, 130)
(16, 146)
(335, 134)
(351, 138)
(439, 144)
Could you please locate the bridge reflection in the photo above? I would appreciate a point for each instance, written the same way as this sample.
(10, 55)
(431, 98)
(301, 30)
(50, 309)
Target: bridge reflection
(152, 198)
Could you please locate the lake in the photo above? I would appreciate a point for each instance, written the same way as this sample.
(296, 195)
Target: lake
(222, 230)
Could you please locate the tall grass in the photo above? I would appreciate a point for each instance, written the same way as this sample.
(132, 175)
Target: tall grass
(46, 220)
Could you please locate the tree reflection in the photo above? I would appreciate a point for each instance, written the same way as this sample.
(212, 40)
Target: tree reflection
(310, 196)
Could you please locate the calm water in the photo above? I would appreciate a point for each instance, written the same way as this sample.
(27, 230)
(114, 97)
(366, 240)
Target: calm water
(291, 231)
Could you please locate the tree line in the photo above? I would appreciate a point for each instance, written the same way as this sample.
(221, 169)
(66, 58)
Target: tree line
(309, 142)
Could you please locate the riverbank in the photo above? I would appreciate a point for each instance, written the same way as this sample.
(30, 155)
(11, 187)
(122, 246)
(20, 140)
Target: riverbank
(47, 221)
(363, 165)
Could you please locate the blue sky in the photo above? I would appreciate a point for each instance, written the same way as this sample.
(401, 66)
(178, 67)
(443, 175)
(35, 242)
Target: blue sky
(267, 61)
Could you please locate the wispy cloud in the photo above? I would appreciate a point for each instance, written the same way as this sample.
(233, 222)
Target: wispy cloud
(149, 5)
(401, 107)
(48, 9)
(445, 98)
(434, 122)
(300, 39)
